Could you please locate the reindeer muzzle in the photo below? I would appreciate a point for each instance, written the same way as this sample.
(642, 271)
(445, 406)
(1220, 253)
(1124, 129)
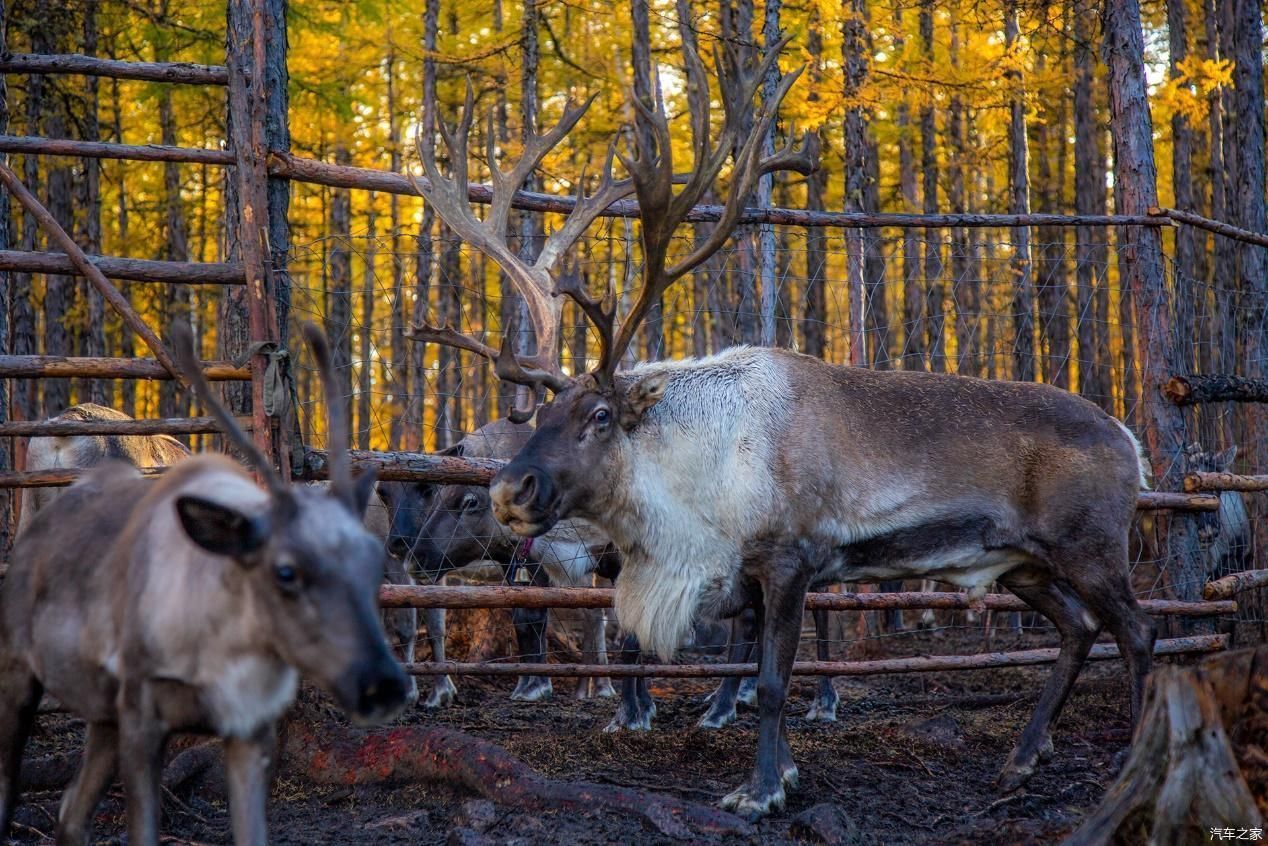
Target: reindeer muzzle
(525, 500)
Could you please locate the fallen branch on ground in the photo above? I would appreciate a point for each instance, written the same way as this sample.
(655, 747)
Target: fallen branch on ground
(441, 754)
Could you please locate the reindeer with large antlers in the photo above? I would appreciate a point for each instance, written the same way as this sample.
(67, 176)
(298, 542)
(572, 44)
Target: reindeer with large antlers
(754, 475)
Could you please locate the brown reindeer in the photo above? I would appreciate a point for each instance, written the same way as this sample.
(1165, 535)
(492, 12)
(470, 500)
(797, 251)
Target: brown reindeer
(84, 451)
(207, 600)
(754, 475)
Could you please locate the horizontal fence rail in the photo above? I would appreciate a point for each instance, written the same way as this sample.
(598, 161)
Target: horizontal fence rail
(1198, 644)
(66, 63)
(64, 367)
(501, 596)
(136, 270)
(162, 426)
(58, 477)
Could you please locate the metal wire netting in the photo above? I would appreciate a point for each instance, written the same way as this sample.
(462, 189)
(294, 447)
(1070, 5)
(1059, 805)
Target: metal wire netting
(940, 299)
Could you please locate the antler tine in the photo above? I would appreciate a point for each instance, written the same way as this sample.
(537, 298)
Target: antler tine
(337, 435)
(450, 337)
(187, 359)
(585, 210)
(510, 368)
(661, 210)
(601, 313)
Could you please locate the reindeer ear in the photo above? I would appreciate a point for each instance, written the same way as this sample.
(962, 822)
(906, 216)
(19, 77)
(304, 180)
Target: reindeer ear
(641, 396)
(219, 529)
(362, 491)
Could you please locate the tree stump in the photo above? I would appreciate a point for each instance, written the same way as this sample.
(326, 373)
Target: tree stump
(1197, 759)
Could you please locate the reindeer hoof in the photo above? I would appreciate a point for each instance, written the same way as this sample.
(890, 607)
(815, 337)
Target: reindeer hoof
(823, 709)
(593, 689)
(716, 718)
(442, 694)
(532, 689)
(753, 803)
(630, 722)
(411, 692)
(1046, 751)
(789, 776)
(605, 690)
(747, 694)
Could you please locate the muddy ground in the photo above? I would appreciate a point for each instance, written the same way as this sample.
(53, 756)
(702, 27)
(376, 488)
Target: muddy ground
(911, 760)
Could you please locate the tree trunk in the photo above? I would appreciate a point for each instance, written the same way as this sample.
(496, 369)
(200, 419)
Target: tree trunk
(448, 359)
(1019, 203)
(1090, 258)
(935, 294)
(1248, 192)
(400, 311)
(641, 55)
(854, 59)
(531, 228)
(22, 340)
(815, 308)
(1222, 308)
(737, 25)
(962, 283)
(1141, 271)
(94, 330)
(913, 301)
(765, 185)
(1186, 258)
(366, 329)
(414, 409)
(173, 399)
(48, 37)
(881, 352)
(127, 349)
(1054, 318)
(7, 522)
(339, 294)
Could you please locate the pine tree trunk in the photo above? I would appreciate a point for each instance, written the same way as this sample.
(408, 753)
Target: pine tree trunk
(22, 297)
(531, 227)
(49, 37)
(1019, 203)
(173, 400)
(1223, 355)
(854, 59)
(1187, 279)
(641, 56)
(1141, 272)
(1054, 322)
(935, 293)
(448, 361)
(127, 348)
(962, 283)
(881, 352)
(400, 310)
(94, 340)
(765, 186)
(366, 329)
(414, 409)
(1090, 256)
(814, 310)
(737, 25)
(1248, 189)
(913, 300)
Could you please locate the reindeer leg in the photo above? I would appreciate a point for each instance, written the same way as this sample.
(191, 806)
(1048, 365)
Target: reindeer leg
(636, 708)
(141, 742)
(824, 706)
(594, 649)
(722, 703)
(101, 754)
(247, 763)
(1078, 630)
(530, 634)
(785, 579)
(20, 694)
(443, 691)
(401, 624)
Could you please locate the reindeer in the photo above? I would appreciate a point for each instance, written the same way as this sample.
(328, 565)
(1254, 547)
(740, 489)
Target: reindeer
(84, 451)
(754, 475)
(209, 599)
(440, 529)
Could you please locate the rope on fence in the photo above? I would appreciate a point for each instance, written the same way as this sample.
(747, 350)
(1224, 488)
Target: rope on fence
(1198, 644)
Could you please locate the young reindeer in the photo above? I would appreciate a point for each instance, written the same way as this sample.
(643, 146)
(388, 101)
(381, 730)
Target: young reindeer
(757, 474)
(209, 598)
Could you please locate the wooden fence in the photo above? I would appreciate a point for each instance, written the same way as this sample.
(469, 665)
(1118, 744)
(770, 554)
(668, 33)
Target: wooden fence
(255, 79)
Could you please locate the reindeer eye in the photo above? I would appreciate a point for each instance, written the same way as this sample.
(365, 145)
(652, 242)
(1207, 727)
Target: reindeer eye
(470, 501)
(286, 574)
(601, 416)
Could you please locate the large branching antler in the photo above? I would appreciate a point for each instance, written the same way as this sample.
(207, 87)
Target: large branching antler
(448, 195)
(651, 169)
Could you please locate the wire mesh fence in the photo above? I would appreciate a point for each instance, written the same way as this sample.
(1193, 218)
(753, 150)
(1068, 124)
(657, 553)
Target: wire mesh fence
(976, 302)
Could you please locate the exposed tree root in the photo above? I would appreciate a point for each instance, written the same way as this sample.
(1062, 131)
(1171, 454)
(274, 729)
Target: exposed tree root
(1182, 776)
(441, 754)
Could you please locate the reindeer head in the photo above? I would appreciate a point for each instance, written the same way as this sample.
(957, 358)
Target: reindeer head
(308, 570)
(564, 469)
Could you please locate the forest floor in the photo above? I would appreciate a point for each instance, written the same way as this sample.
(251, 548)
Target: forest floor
(911, 759)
